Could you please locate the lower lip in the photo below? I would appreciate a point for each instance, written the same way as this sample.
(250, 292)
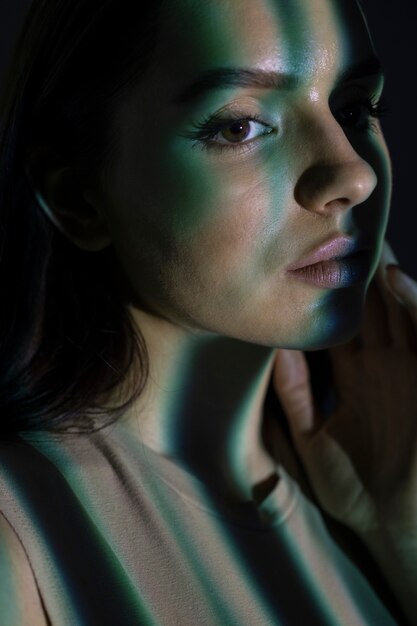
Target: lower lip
(336, 273)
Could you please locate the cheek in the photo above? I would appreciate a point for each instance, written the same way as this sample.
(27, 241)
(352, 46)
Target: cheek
(220, 253)
(207, 246)
(224, 210)
(204, 242)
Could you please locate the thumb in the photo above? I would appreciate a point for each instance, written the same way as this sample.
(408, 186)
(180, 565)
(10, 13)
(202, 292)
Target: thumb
(291, 380)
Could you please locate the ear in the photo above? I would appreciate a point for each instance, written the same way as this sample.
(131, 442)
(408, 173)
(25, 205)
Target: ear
(59, 192)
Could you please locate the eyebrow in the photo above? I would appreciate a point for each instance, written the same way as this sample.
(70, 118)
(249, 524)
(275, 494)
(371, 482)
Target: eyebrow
(222, 78)
(235, 77)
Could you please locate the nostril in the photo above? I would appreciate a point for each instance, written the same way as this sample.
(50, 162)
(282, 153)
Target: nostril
(338, 203)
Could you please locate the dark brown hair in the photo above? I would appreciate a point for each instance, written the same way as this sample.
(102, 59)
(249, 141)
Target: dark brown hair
(66, 336)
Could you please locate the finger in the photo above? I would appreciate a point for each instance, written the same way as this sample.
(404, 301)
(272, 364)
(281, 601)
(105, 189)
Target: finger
(404, 289)
(344, 362)
(374, 330)
(291, 381)
(401, 328)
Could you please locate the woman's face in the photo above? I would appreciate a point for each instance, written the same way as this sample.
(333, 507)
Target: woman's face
(221, 179)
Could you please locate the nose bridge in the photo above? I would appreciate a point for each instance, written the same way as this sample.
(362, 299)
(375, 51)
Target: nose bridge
(335, 175)
(328, 143)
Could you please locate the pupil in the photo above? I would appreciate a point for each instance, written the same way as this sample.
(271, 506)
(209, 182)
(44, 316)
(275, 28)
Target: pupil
(237, 128)
(352, 116)
(236, 131)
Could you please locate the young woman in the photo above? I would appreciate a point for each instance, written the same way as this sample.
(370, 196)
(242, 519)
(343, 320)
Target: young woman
(193, 195)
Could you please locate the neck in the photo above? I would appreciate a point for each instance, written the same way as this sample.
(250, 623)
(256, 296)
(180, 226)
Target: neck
(203, 406)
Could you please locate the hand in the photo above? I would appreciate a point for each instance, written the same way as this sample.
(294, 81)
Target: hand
(362, 460)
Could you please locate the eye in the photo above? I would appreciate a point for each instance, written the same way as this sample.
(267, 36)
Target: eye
(223, 132)
(240, 131)
(353, 116)
(359, 115)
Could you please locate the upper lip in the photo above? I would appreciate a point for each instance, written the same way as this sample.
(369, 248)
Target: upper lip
(333, 248)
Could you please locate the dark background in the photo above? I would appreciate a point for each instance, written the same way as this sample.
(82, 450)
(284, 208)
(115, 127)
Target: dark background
(393, 25)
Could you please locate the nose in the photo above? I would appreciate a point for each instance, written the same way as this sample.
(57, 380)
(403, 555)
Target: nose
(336, 183)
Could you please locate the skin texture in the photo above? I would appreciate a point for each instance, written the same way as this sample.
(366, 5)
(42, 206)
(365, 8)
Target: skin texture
(205, 234)
(361, 459)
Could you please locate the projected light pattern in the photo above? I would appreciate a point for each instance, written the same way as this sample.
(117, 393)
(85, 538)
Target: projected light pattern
(128, 531)
(158, 549)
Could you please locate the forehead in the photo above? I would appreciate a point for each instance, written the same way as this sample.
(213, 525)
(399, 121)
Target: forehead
(299, 36)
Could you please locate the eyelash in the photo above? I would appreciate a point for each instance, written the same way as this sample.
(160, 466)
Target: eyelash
(209, 127)
(376, 110)
(214, 124)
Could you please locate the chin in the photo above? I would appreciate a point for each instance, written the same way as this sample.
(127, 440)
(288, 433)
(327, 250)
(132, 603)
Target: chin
(335, 322)
(337, 338)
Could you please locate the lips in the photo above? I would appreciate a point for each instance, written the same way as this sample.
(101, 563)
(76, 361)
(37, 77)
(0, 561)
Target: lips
(339, 262)
(334, 248)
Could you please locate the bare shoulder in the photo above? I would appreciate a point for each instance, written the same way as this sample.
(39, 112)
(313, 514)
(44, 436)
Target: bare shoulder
(20, 602)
